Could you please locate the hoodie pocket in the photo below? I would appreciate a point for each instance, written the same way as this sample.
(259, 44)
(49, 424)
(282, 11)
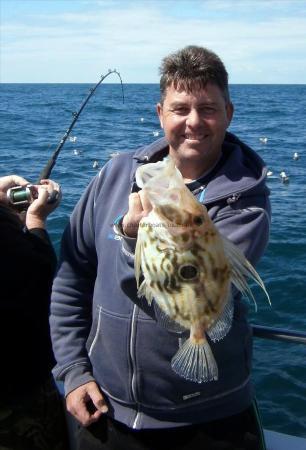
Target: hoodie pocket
(95, 331)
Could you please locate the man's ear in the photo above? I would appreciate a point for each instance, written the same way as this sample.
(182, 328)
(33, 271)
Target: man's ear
(159, 110)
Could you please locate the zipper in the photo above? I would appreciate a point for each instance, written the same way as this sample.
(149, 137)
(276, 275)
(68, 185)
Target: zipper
(132, 354)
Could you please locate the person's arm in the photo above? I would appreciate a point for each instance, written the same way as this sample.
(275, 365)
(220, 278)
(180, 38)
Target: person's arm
(71, 312)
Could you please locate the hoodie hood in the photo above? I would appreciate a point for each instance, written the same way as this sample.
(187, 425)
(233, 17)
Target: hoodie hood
(241, 172)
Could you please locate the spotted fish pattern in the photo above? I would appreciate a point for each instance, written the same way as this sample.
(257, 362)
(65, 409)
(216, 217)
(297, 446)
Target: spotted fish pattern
(187, 269)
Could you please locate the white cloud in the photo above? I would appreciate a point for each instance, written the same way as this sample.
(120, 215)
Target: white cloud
(136, 37)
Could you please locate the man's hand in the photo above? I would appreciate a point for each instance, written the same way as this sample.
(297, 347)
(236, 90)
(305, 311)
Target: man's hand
(139, 207)
(86, 403)
(41, 207)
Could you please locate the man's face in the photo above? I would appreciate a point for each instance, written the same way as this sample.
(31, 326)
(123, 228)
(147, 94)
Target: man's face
(195, 124)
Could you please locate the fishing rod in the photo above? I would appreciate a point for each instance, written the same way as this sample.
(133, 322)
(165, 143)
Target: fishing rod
(21, 196)
(279, 334)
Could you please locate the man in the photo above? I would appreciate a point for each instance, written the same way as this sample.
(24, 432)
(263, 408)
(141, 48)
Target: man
(31, 410)
(112, 355)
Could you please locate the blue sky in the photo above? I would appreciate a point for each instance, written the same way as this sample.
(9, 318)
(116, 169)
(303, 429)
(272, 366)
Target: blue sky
(260, 41)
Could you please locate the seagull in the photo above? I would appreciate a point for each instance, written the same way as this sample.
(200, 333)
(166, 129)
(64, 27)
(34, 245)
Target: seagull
(284, 177)
(296, 156)
(263, 140)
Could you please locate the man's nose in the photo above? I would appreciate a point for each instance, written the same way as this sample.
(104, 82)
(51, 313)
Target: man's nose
(193, 118)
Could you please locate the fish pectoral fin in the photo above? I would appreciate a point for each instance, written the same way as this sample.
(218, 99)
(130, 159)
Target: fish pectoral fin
(223, 324)
(241, 270)
(195, 361)
(143, 291)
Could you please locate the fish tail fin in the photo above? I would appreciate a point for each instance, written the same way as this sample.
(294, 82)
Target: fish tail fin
(224, 323)
(195, 361)
(241, 270)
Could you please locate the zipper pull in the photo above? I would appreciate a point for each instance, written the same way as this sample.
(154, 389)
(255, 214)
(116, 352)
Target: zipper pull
(202, 195)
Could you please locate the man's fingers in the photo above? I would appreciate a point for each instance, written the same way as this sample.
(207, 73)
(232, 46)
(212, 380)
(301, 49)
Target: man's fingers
(10, 181)
(145, 202)
(139, 207)
(135, 205)
(97, 399)
(86, 403)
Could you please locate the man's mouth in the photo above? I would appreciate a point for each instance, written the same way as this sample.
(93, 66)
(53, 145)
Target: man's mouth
(195, 137)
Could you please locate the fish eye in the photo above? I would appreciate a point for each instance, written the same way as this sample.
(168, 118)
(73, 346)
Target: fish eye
(198, 220)
(188, 272)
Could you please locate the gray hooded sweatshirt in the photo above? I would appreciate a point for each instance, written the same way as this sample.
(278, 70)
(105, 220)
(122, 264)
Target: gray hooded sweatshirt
(102, 331)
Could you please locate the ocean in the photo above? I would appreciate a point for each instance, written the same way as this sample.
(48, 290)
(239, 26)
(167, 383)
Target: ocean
(269, 118)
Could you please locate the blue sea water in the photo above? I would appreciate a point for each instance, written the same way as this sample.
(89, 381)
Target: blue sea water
(33, 119)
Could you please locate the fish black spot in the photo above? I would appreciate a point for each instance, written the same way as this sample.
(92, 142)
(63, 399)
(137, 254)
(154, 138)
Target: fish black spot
(198, 220)
(185, 237)
(215, 273)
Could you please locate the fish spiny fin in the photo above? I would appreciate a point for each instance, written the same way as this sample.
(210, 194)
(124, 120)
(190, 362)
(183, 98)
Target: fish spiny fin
(241, 270)
(224, 323)
(195, 361)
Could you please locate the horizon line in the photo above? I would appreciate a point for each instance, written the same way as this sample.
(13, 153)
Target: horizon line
(90, 82)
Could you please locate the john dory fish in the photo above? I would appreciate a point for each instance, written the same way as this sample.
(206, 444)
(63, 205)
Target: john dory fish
(188, 269)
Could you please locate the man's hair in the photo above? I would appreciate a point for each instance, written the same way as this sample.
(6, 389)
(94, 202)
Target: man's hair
(192, 68)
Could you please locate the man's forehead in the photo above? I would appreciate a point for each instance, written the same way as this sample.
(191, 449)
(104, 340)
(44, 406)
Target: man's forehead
(206, 91)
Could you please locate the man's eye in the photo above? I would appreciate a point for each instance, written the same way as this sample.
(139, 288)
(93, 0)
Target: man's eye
(208, 111)
(181, 111)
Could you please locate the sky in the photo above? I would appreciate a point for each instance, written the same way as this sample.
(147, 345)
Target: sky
(76, 41)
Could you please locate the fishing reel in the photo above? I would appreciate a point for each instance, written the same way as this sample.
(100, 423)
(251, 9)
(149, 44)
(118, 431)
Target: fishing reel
(21, 197)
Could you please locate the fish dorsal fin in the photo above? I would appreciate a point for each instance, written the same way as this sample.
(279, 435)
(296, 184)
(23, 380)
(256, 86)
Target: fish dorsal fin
(242, 269)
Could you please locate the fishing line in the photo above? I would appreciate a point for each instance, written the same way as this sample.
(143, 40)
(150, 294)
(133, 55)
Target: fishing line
(45, 173)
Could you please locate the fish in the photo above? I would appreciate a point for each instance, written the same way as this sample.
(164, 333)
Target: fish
(186, 269)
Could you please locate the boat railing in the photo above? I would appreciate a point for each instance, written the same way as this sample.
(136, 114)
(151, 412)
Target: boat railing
(279, 334)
